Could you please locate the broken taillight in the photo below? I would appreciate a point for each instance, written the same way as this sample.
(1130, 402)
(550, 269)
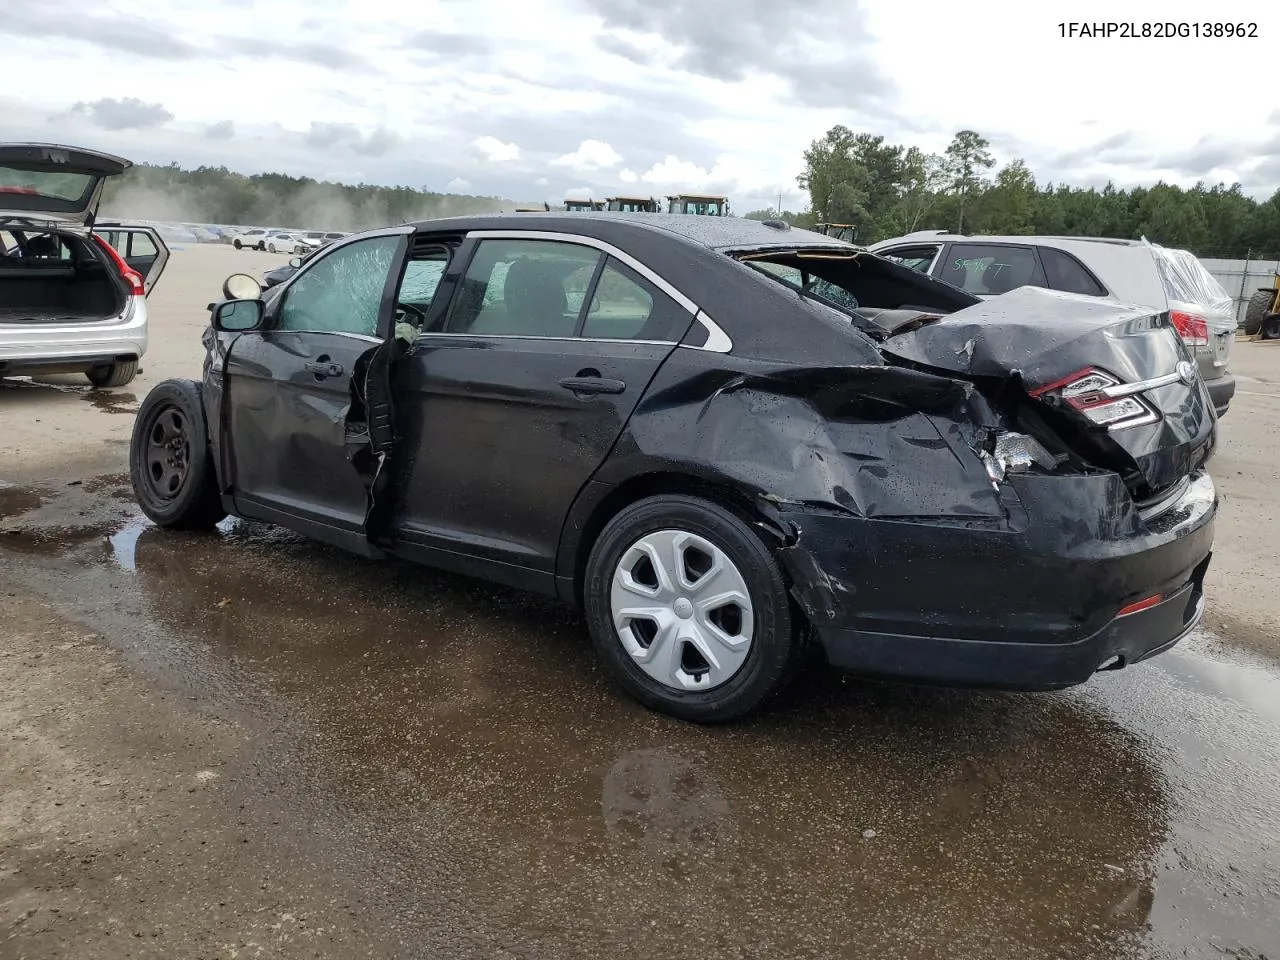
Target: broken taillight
(1101, 398)
(1193, 330)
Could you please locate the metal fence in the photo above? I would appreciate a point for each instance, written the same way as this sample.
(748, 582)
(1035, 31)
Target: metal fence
(1241, 278)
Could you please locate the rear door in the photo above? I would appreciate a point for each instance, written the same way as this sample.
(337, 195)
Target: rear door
(521, 386)
(142, 248)
(301, 406)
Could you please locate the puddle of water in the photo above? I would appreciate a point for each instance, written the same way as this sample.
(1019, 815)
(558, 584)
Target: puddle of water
(1232, 676)
(471, 724)
(16, 500)
(109, 402)
(124, 543)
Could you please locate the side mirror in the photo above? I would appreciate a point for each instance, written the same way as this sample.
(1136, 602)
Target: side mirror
(295, 262)
(241, 286)
(237, 316)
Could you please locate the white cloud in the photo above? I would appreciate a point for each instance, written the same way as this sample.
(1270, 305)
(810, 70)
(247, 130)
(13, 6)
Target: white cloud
(495, 151)
(541, 182)
(458, 185)
(578, 193)
(591, 155)
(728, 103)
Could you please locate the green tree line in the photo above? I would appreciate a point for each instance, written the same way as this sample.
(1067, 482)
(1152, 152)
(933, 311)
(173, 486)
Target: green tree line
(887, 190)
(221, 196)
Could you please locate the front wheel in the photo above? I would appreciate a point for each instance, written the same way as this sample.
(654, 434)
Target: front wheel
(170, 461)
(689, 610)
(237, 244)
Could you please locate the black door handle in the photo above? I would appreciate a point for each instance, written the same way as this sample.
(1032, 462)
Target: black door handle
(593, 385)
(323, 367)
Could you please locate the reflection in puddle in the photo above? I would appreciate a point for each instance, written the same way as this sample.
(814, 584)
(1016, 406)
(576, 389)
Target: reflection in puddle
(124, 543)
(441, 724)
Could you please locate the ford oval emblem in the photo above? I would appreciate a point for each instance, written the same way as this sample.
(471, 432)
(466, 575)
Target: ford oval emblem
(1186, 372)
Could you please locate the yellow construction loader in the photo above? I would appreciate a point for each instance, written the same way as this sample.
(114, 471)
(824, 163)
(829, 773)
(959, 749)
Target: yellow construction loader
(1262, 315)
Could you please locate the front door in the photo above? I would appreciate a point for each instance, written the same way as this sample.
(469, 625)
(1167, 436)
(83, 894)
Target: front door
(519, 391)
(299, 395)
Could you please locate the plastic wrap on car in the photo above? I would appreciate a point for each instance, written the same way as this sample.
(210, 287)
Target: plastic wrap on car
(1191, 287)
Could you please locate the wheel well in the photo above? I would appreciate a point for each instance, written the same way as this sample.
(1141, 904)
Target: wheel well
(652, 485)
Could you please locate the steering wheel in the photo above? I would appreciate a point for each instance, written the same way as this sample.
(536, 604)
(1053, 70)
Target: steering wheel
(411, 314)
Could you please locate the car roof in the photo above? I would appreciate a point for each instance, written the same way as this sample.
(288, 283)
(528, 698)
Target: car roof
(946, 236)
(714, 233)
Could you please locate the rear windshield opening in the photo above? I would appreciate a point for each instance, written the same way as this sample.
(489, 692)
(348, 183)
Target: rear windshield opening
(41, 190)
(862, 287)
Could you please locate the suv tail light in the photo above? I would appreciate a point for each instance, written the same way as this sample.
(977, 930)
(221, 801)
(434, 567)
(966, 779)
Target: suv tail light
(132, 278)
(1193, 330)
(1101, 398)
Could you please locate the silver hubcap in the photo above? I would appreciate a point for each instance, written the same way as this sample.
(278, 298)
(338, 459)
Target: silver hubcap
(682, 610)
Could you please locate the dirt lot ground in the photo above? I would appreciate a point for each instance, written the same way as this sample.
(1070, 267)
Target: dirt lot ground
(250, 745)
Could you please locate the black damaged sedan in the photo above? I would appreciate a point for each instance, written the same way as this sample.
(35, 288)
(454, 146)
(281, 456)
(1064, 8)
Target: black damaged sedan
(724, 440)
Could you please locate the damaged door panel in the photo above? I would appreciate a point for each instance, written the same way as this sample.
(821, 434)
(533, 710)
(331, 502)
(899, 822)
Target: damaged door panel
(305, 406)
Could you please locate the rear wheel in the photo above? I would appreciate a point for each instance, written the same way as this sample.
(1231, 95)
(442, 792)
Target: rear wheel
(689, 609)
(237, 244)
(113, 375)
(170, 462)
(1257, 309)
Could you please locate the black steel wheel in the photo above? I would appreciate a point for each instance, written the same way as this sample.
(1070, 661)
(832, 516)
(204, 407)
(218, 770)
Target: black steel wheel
(170, 463)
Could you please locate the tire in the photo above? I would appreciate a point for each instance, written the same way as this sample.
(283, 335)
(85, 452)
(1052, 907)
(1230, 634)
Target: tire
(115, 375)
(1270, 328)
(1257, 309)
(775, 642)
(170, 427)
(272, 248)
(237, 244)
(262, 246)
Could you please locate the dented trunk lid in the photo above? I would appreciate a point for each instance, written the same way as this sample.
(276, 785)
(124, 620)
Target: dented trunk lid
(1115, 380)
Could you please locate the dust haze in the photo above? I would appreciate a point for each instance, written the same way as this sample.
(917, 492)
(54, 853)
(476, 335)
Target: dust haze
(218, 196)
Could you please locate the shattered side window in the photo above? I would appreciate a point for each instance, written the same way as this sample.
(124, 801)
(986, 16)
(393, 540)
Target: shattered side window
(341, 292)
(421, 278)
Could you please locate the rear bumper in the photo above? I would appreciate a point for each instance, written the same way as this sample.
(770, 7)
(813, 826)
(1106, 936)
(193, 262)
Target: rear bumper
(1221, 390)
(28, 348)
(1022, 666)
(1033, 603)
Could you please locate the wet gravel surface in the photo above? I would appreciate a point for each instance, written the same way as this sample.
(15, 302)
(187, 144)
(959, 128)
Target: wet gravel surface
(421, 765)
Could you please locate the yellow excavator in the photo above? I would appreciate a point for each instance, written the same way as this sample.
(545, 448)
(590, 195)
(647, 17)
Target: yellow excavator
(1262, 315)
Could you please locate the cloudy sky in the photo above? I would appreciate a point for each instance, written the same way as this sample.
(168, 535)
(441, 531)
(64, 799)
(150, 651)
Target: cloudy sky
(542, 99)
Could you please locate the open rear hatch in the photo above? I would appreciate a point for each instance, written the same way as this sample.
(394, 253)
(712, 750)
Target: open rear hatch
(45, 185)
(1114, 381)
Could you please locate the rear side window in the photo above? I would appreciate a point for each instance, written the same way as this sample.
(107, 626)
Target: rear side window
(1064, 272)
(986, 269)
(917, 258)
(523, 288)
(625, 306)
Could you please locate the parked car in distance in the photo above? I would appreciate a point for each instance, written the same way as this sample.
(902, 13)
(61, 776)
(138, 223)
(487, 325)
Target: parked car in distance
(1132, 271)
(253, 239)
(73, 298)
(311, 240)
(719, 437)
(282, 273)
(285, 243)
